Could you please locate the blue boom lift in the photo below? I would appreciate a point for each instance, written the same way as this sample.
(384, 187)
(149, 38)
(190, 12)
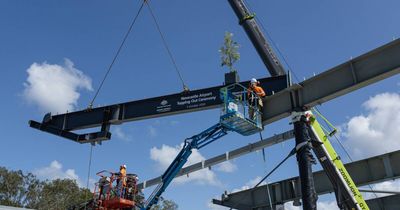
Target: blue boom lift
(238, 114)
(234, 117)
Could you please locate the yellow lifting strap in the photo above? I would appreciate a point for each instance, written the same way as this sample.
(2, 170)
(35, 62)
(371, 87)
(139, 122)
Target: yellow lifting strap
(334, 157)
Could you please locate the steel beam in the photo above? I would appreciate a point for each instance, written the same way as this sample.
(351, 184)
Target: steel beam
(225, 157)
(369, 68)
(363, 172)
(359, 72)
(190, 101)
(391, 202)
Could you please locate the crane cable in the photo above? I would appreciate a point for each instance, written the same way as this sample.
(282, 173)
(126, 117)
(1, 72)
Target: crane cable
(89, 167)
(266, 181)
(117, 53)
(147, 2)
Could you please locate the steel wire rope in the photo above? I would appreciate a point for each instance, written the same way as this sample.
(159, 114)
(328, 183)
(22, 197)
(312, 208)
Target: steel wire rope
(274, 44)
(265, 163)
(117, 53)
(164, 41)
(89, 167)
(327, 123)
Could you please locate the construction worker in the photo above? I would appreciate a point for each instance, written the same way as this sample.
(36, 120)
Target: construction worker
(104, 186)
(121, 181)
(255, 93)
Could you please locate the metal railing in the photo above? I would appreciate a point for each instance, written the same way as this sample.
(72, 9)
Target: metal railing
(238, 98)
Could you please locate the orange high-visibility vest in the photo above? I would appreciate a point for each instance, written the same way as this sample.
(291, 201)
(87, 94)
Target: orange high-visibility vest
(123, 176)
(258, 90)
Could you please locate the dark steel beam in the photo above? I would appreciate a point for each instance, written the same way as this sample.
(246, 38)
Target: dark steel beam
(391, 202)
(191, 101)
(368, 171)
(359, 72)
(362, 71)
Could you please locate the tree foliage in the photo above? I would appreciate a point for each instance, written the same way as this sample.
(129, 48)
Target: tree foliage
(165, 205)
(229, 52)
(25, 190)
(62, 193)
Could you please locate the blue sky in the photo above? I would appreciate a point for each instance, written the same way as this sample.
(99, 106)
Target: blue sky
(82, 36)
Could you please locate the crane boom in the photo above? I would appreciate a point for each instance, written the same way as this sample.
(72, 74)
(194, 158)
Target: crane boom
(253, 31)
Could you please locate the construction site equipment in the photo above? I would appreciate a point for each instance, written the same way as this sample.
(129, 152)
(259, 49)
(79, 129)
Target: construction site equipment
(209, 163)
(109, 194)
(237, 113)
(347, 194)
(115, 114)
(367, 171)
(359, 72)
(65, 125)
(233, 118)
(253, 31)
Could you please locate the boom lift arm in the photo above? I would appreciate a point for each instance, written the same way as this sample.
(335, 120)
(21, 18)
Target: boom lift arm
(195, 142)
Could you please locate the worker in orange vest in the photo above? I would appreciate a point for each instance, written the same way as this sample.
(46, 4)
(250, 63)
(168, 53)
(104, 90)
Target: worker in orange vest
(255, 93)
(121, 181)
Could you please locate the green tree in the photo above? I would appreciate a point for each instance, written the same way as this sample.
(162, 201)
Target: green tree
(25, 190)
(33, 190)
(165, 205)
(61, 194)
(229, 52)
(17, 189)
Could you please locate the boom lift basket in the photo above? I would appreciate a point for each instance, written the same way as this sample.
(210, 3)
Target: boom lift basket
(107, 194)
(241, 110)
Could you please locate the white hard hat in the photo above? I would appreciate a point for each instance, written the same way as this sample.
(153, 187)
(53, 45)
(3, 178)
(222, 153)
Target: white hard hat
(123, 166)
(253, 80)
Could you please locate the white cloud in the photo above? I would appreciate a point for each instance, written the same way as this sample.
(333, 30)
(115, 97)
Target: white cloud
(54, 88)
(55, 171)
(166, 154)
(120, 134)
(227, 167)
(378, 130)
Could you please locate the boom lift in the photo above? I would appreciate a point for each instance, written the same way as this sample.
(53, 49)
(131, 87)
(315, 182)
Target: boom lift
(234, 117)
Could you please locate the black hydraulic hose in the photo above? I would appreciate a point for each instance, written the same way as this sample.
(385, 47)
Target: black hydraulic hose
(291, 153)
(276, 167)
